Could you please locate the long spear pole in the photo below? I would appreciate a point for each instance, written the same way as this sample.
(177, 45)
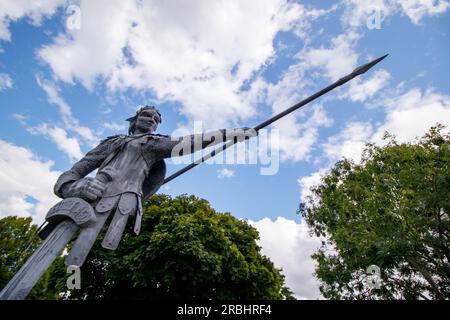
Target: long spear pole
(357, 72)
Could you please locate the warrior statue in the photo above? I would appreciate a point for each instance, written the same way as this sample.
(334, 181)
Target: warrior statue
(131, 168)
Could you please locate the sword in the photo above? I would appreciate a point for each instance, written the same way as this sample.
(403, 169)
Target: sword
(33, 269)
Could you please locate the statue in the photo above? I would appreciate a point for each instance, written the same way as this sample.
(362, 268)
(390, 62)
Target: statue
(131, 168)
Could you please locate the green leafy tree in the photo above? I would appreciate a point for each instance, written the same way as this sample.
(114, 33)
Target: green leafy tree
(18, 240)
(185, 250)
(392, 211)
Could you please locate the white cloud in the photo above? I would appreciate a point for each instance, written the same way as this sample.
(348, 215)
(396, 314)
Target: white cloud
(23, 175)
(360, 90)
(337, 60)
(69, 146)
(416, 10)
(411, 114)
(5, 81)
(14, 10)
(308, 182)
(199, 53)
(289, 245)
(303, 27)
(21, 118)
(225, 173)
(70, 122)
(114, 126)
(348, 143)
(69, 137)
(14, 203)
(97, 47)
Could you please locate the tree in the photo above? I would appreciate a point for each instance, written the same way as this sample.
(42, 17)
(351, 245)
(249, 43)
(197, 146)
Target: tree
(392, 211)
(18, 241)
(185, 250)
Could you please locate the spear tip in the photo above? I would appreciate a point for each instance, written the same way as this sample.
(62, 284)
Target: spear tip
(364, 68)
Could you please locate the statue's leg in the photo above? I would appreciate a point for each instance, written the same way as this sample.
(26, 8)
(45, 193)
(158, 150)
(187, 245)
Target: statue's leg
(86, 240)
(115, 231)
(25, 279)
(127, 206)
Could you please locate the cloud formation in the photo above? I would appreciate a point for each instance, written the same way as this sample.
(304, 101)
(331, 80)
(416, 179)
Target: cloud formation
(360, 90)
(69, 121)
(14, 10)
(199, 53)
(70, 146)
(289, 245)
(26, 183)
(225, 173)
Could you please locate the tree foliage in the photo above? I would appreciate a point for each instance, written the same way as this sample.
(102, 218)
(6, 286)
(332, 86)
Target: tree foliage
(392, 211)
(18, 241)
(185, 250)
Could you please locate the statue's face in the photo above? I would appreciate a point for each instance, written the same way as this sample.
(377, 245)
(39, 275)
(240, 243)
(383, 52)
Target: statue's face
(147, 121)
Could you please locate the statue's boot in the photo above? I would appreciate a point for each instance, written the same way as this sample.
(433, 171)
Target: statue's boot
(126, 207)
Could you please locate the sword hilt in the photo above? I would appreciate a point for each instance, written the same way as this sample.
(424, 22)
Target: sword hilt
(106, 175)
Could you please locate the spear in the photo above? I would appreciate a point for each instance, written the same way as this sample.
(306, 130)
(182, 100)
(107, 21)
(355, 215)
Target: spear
(357, 72)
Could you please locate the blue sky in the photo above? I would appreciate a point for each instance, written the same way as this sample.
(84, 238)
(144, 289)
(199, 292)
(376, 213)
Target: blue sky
(66, 83)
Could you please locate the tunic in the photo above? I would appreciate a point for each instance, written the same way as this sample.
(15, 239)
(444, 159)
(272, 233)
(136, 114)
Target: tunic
(136, 167)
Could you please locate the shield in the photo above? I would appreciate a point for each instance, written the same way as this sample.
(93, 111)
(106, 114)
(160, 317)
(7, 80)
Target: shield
(155, 179)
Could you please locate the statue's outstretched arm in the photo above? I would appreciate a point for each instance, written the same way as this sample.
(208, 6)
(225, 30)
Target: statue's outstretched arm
(168, 147)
